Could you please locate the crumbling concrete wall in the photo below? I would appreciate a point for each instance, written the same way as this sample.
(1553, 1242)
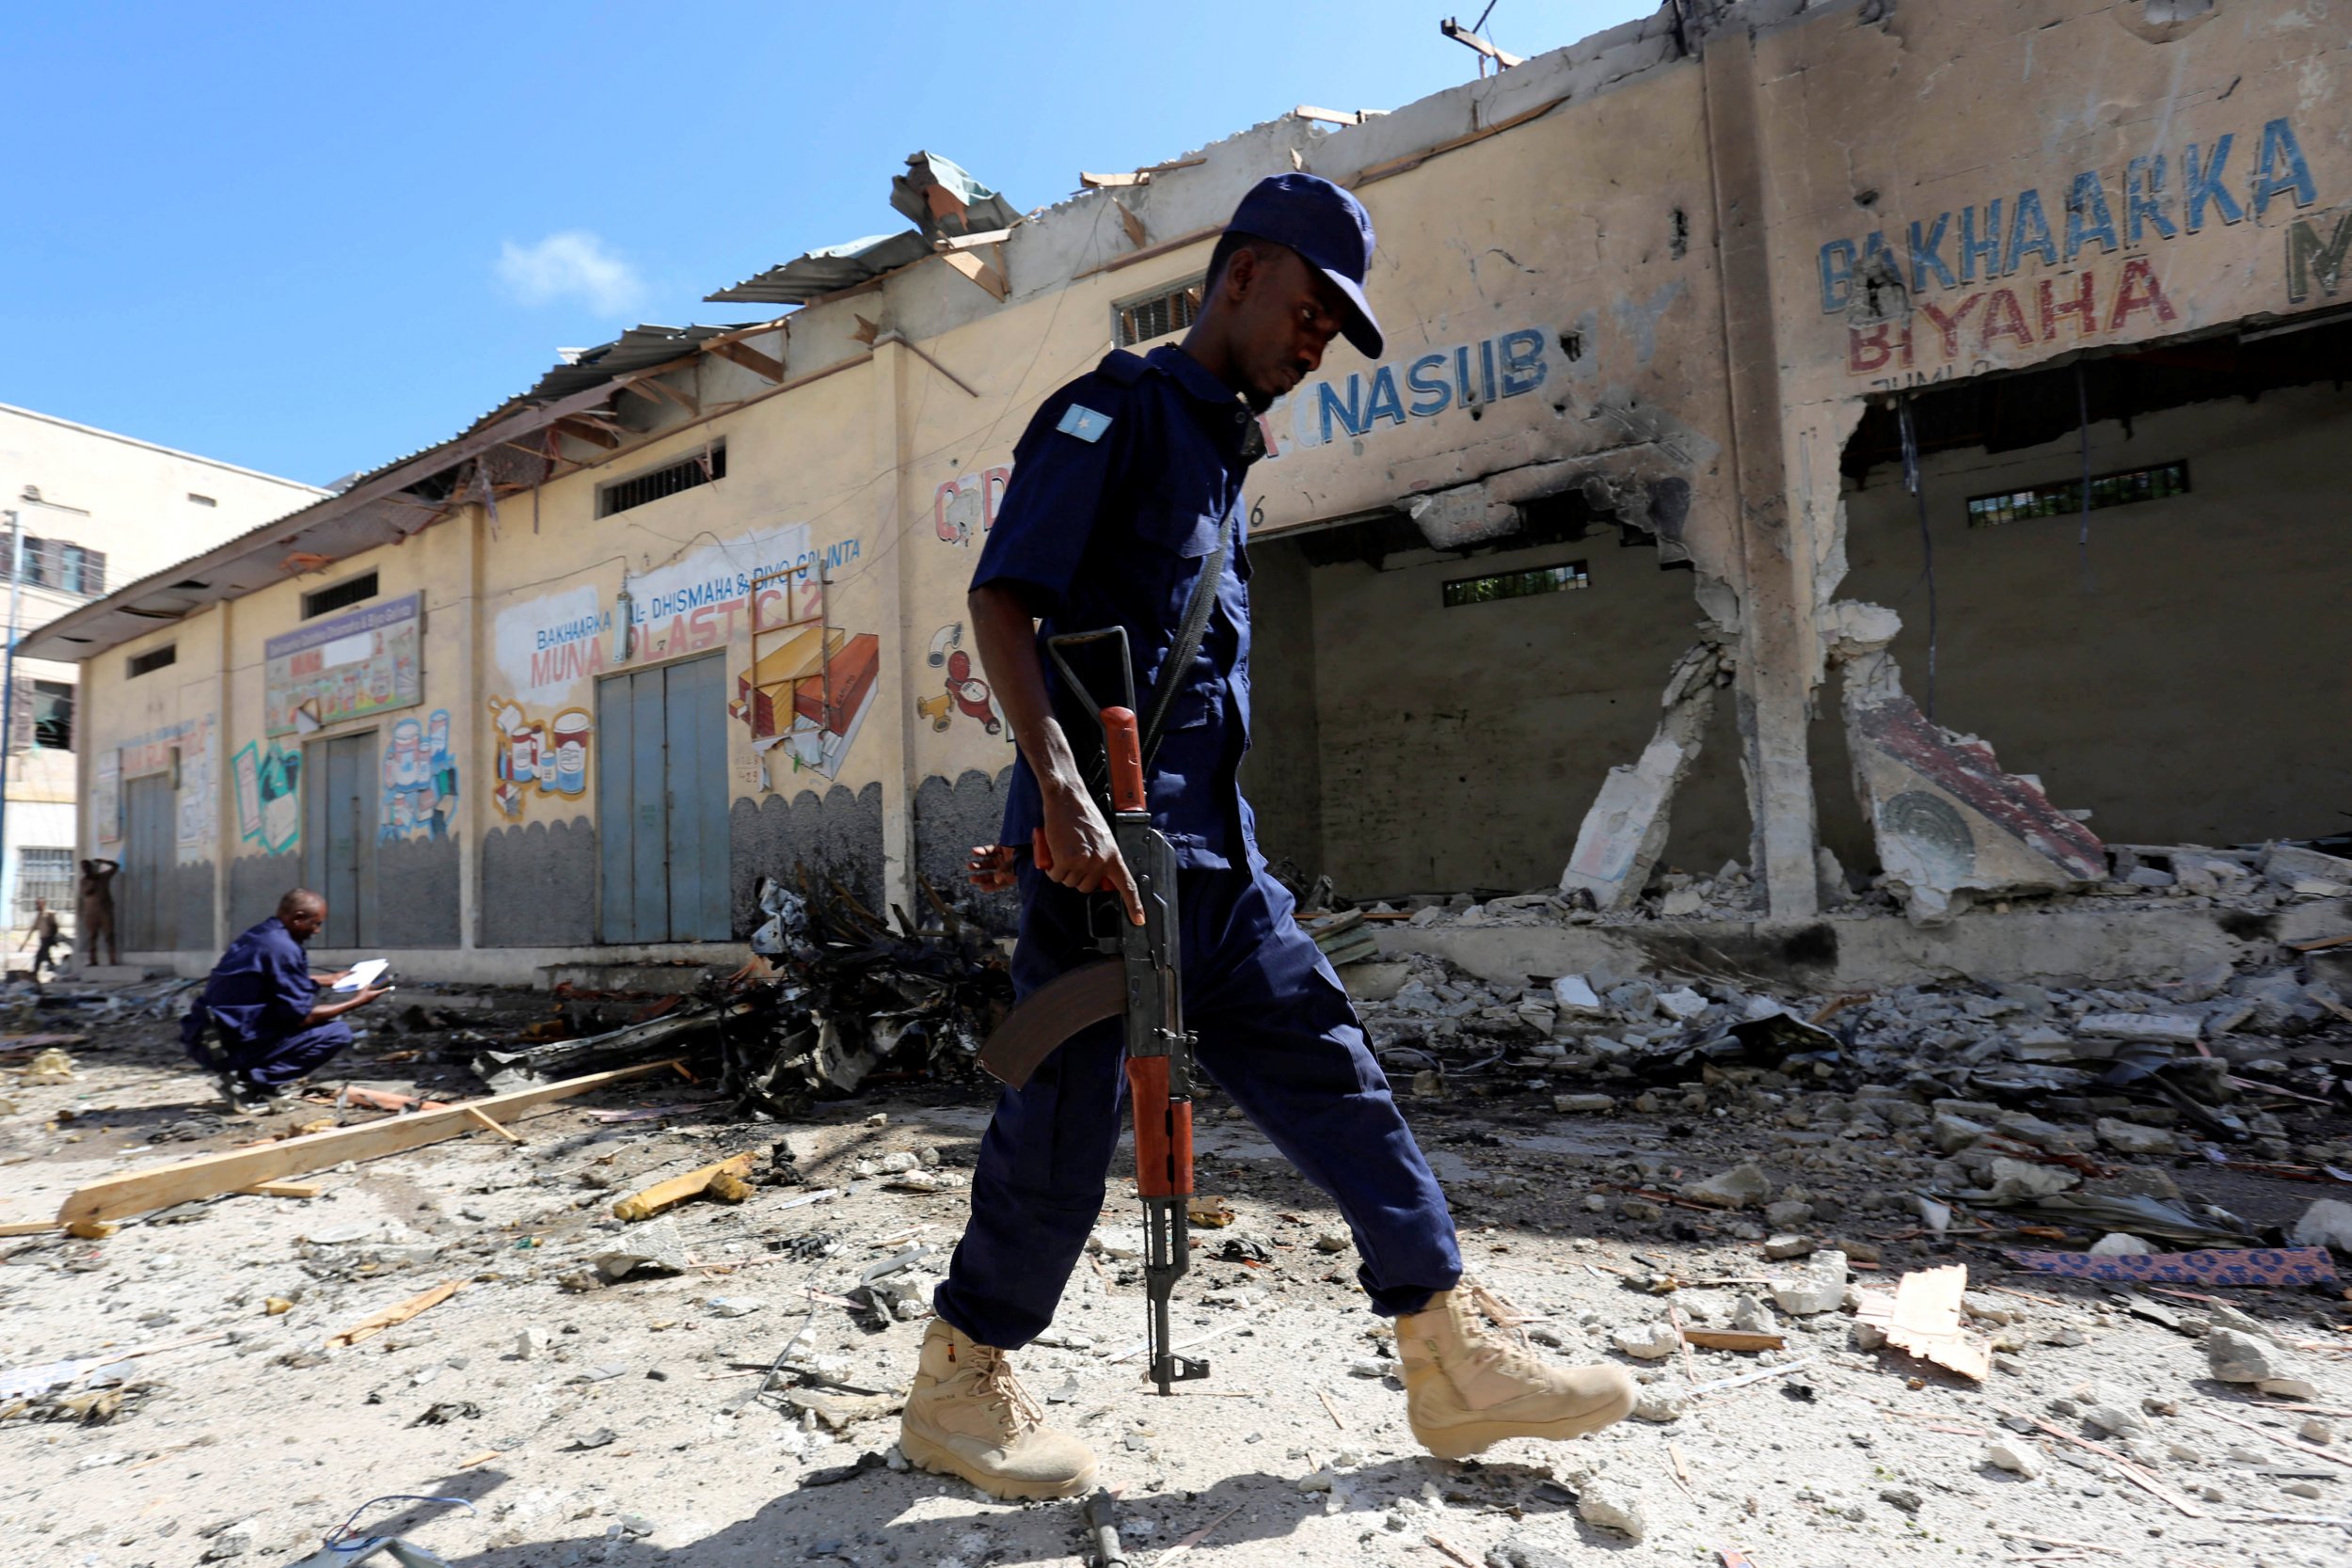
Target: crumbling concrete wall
(1949, 826)
(1457, 745)
(2182, 678)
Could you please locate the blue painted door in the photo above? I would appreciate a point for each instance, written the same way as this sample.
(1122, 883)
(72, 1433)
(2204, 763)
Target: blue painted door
(340, 781)
(662, 786)
(143, 902)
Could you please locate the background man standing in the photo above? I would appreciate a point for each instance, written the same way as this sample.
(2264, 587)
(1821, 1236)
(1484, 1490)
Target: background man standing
(1126, 492)
(262, 1001)
(98, 911)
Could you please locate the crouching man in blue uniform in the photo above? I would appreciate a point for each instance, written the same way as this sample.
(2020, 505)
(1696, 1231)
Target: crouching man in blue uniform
(1126, 492)
(262, 1004)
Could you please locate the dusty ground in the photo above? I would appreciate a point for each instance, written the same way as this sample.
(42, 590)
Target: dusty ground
(629, 1429)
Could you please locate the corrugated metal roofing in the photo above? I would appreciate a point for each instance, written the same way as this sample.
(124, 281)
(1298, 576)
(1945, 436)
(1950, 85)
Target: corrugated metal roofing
(633, 350)
(827, 271)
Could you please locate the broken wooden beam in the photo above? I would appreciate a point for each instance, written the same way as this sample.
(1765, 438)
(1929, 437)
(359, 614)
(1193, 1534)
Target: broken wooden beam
(232, 1170)
(723, 1182)
(764, 366)
(393, 1316)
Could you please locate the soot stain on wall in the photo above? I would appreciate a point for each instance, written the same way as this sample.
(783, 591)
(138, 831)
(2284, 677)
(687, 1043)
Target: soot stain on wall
(949, 820)
(837, 837)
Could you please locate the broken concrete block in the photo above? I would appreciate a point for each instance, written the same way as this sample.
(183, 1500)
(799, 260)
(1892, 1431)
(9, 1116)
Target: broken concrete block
(1735, 1188)
(1573, 993)
(2327, 1223)
(1652, 1341)
(1750, 1316)
(2236, 1357)
(1606, 1506)
(1949, 824)
(2120, 1243)
(1822, 1288)
(2017, 1458)
(654, 1247)
(1781, 1248)
(1682, 1003)
(2287, 865)
(2021, 1178)
(2181, 1029)
(1625, 832)
(1953, 1133)
(2130, 1137)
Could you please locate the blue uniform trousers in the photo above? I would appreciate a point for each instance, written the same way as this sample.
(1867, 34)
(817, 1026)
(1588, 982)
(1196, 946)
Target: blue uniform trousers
(271, 1062)
(1275, 1031)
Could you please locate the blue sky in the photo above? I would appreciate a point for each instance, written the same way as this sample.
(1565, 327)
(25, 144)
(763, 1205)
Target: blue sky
(309, 238)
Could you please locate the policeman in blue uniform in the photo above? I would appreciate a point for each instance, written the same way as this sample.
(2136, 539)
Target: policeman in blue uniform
(258, 1025)
(1127, 487)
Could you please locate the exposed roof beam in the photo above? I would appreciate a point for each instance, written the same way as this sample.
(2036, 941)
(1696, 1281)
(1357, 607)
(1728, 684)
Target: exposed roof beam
(1462, 35)
(764, 366)
(590, 432)
(989, 274)
(654, 389)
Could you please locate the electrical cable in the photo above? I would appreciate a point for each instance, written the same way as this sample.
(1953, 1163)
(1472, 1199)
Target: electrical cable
(1919, 489)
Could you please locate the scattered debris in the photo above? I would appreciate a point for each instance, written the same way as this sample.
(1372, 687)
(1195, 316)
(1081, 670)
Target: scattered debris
(395, 1315)
(1922, 1316)
(2261, 1266)
(723, 1182)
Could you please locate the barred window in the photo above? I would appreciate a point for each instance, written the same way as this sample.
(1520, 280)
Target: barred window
(1167, 310)
(1517, 585)
(691, 473)
(2064, 498)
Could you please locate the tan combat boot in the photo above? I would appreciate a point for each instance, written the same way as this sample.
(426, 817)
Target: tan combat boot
(1472, 1380)
(967, 1416)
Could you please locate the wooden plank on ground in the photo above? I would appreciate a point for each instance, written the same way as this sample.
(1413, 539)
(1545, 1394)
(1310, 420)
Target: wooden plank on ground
(283, 1189)
(184, 1181)
(393, 1316)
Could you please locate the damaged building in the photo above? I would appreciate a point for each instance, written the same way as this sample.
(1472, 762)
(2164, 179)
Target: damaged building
(1880, 444)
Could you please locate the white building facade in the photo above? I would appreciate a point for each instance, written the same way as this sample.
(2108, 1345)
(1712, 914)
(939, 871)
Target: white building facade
(94, 510)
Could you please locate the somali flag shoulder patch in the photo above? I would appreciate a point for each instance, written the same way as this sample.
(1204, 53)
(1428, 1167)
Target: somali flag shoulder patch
(1084, 423)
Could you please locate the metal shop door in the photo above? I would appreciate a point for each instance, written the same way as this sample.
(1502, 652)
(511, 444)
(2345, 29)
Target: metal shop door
(339, 787)
(146, 918)
(662, 813)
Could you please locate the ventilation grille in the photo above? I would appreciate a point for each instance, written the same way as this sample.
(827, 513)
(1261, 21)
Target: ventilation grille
(1156, 315)
(342, 594)
(697, 470)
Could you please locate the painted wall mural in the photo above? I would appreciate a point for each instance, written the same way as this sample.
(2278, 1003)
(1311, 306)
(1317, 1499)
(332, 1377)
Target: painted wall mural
(805, 695)
(964, 693)
(345, 667)
(966, 506)
(710, 596)
(542, 757)
(186, 746)
(268, 785)
(419, 782)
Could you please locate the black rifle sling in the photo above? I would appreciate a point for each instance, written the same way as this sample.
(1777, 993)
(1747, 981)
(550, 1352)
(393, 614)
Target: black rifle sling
(1178, 665)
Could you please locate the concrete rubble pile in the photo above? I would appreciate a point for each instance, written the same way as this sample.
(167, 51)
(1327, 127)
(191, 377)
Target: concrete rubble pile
(2255, 879)
(1929, 1101)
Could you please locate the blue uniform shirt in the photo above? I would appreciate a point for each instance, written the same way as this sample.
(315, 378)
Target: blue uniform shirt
(1119, 488)
(261, 990)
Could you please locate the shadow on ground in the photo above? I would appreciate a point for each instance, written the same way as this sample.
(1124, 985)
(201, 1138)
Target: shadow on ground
(864, 1520)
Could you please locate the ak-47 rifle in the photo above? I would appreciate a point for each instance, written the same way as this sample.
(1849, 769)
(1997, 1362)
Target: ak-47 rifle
(1144, 983)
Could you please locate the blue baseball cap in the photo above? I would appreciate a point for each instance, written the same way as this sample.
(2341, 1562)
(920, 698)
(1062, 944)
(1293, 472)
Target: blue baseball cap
(1328, 227)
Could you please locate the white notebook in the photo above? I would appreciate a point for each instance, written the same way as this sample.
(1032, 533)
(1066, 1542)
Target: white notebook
(363, 974)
